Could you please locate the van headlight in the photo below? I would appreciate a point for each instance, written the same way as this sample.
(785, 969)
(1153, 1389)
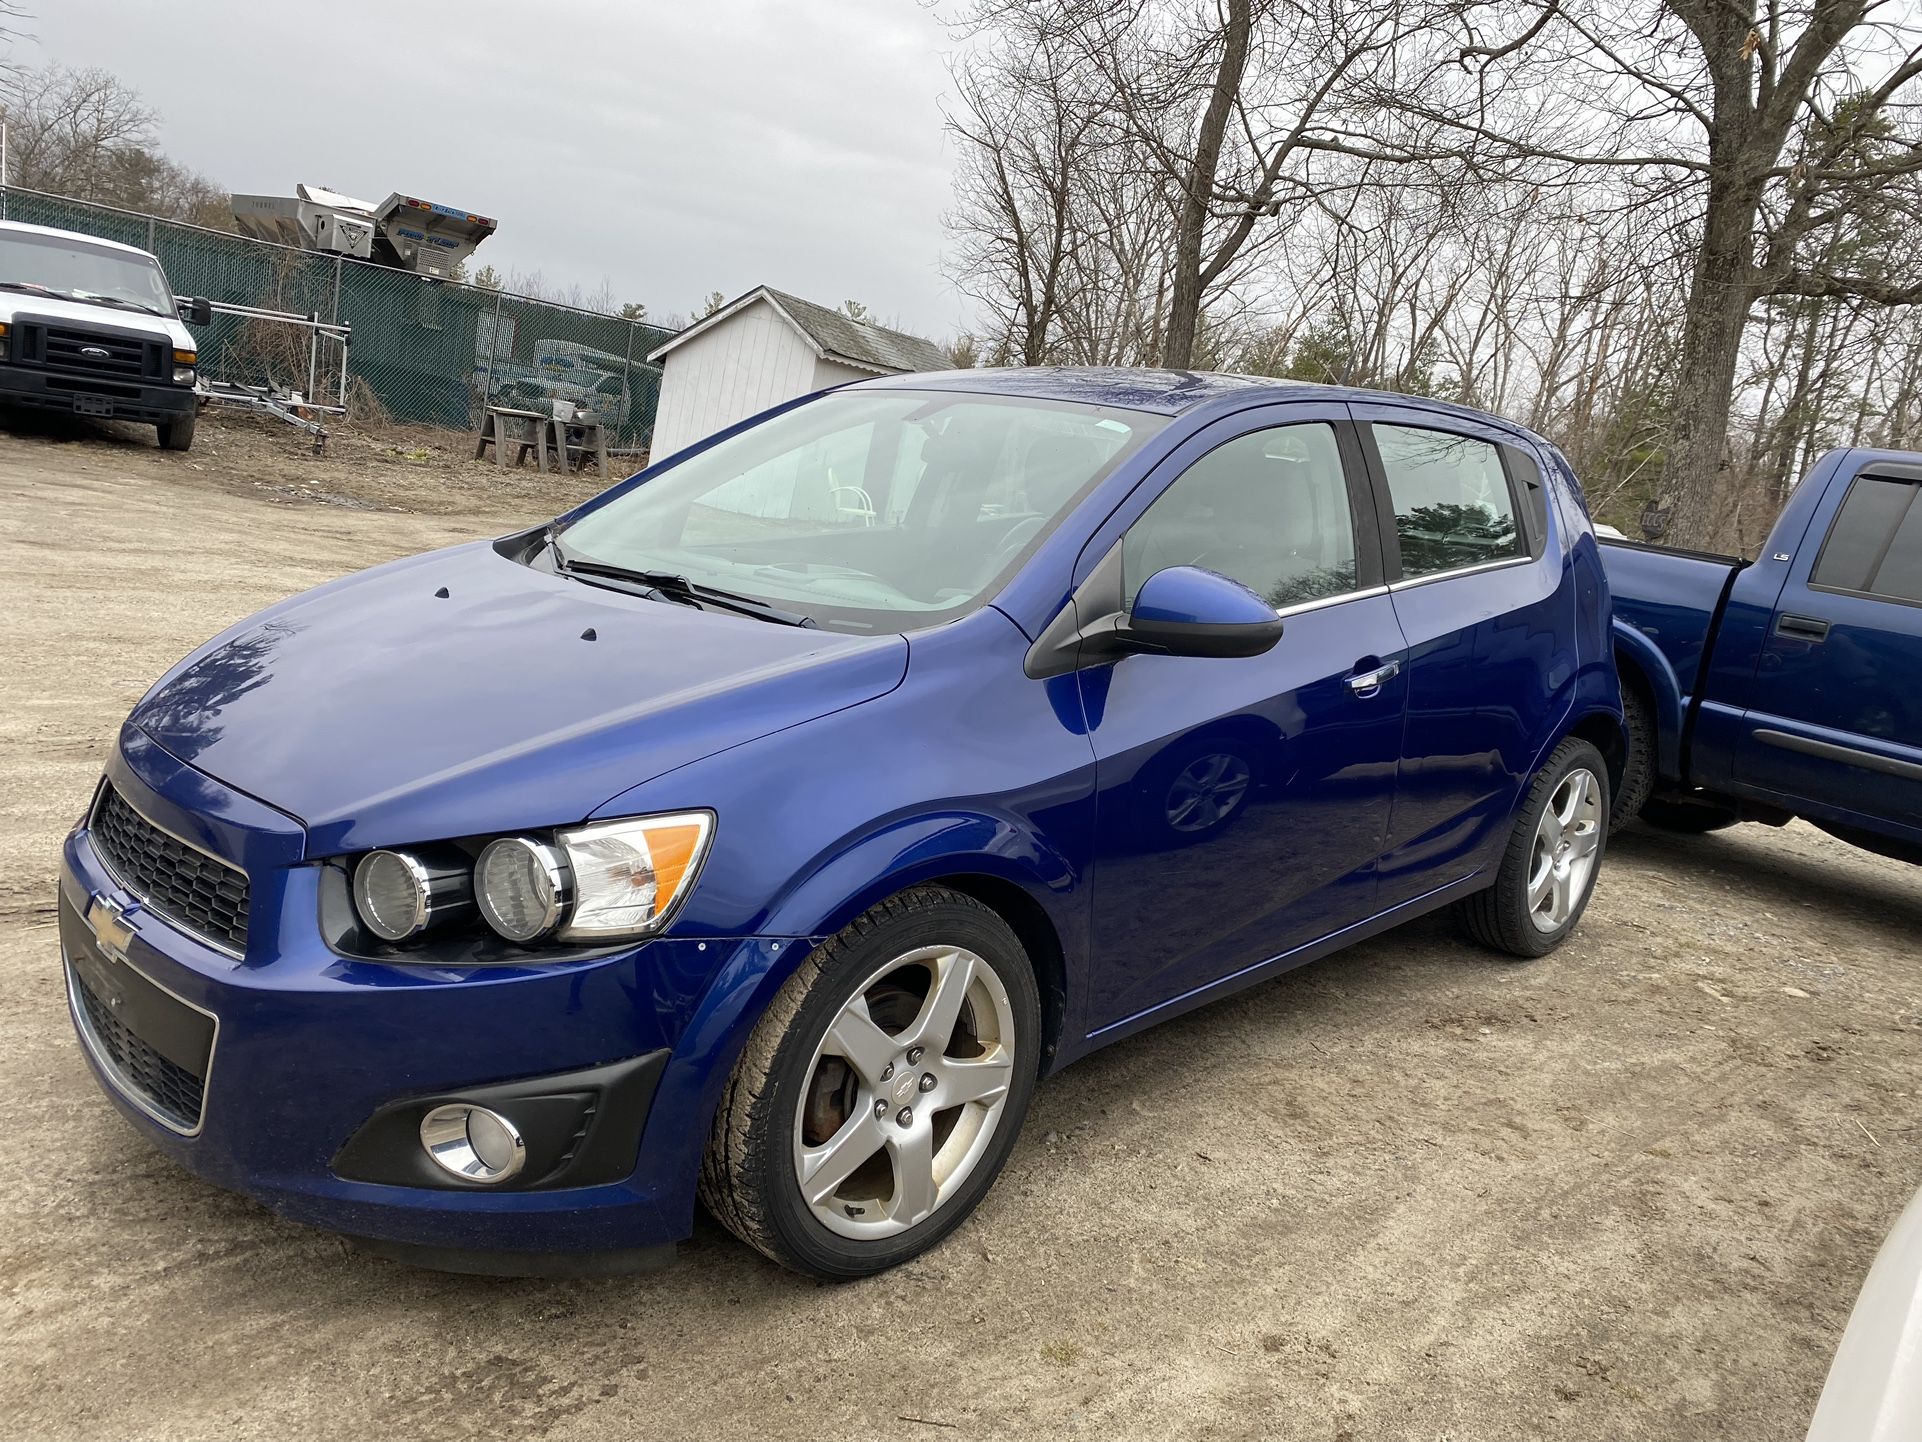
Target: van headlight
(605, 882)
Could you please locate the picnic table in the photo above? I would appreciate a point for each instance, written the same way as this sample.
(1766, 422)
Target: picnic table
(569, 436)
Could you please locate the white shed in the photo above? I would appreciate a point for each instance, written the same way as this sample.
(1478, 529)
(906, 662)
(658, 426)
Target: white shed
(765, 348)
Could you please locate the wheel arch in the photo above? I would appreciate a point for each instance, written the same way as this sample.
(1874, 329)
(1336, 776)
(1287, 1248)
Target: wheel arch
(997, 860)
(1030, 922)
(1604, 731)
(1642, 664)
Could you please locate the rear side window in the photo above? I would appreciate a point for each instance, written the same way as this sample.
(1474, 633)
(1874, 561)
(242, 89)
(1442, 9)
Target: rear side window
(1875, 544)
(1453, 506)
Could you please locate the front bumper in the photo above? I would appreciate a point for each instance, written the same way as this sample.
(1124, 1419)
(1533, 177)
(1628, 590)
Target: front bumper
(85, 395)
(308, 1048)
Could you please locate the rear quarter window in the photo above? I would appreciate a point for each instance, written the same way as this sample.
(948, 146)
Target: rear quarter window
(1453, 504)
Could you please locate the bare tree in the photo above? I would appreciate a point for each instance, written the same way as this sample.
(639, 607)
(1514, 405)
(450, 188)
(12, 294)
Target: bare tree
(1774, 123)
(85, 134)
(1027, 136)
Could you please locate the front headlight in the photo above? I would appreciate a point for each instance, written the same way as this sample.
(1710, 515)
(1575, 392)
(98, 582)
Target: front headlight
(629, 874)
(399, 894)
(605, 882)
(609, 881)
(523, 887)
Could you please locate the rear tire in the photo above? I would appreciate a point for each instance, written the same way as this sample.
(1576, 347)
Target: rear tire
(1548, 870)
(900, 1060)
(1638, 770)
(177, 434)
(1686, 817)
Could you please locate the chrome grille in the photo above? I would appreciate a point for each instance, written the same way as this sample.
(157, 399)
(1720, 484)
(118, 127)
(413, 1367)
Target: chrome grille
(108, 356)
(196, 892)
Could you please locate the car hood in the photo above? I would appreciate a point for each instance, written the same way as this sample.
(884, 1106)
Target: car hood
(460, 692)
(23, 305)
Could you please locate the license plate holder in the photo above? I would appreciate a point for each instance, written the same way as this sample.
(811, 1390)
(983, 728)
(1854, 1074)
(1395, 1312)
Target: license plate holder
(92, 406)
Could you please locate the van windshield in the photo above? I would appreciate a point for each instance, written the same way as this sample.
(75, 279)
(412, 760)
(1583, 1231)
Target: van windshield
(73, 270)
(868, 510)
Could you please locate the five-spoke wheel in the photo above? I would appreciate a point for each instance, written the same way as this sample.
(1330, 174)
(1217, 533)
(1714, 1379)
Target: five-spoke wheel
(1568, 839)
(904, 1092)
(881, 1091)
(1547, 871)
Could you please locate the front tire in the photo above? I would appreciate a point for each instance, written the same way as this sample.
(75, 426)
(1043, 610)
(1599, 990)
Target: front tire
(177, 434)
(1554, 851)
(880, 1093)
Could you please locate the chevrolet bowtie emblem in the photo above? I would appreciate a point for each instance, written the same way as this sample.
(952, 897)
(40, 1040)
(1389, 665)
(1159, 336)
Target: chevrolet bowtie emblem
(111, 930)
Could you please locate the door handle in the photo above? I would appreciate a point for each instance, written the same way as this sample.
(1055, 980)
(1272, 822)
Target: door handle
(1369, 683)
(1801, 628)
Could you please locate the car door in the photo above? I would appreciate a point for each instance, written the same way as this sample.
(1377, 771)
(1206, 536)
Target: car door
(1488, 609)
(1835, 708)
(1242, 803)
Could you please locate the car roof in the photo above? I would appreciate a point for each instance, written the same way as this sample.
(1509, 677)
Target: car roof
(20, 227)
(1164, 392)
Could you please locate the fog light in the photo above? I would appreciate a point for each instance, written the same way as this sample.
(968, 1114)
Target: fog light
(472, 1143)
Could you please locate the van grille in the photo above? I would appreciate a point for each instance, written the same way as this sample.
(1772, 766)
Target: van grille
(79, 350)
(90, 356)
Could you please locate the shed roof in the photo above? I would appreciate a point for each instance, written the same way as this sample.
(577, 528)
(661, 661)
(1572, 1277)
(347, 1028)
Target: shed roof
(833, 334)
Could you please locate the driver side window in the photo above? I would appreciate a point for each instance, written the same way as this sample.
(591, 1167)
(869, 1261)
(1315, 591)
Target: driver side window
(1269, 509)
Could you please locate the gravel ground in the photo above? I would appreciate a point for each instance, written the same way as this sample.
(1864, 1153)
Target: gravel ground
(1410, 1191)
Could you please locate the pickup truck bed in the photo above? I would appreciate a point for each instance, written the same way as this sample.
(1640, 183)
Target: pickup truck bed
(1791, 686)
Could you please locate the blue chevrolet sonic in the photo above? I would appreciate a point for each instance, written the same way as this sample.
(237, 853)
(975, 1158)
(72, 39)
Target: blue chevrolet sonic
(764, 829)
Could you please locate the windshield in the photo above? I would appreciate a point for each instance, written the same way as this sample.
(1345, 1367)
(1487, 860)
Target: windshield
(74, 270)
(868, 510)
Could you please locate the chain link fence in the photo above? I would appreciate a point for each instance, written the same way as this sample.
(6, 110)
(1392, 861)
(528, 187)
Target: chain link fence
(424, 351)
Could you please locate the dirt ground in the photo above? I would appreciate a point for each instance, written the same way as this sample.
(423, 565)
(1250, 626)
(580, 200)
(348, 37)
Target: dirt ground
(1410, 1192)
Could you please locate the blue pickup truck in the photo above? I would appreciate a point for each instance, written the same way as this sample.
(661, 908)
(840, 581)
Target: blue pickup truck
(1791, 685)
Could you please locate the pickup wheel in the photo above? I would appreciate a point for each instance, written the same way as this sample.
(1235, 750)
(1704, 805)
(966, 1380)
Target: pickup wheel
(1687, 817)
(1638, 770)
(1548, 871)
(177, 434)
(881, 1091)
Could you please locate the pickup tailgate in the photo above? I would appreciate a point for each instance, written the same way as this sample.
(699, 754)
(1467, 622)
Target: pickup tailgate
(1672, 598)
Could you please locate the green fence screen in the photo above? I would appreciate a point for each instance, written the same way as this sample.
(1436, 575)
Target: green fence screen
(424, 351)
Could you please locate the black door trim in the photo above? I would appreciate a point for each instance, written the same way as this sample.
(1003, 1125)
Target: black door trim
(1848, 755)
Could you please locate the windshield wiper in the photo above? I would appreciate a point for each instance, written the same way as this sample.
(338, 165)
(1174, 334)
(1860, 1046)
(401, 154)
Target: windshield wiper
(85, 297)
(673, 587)
(89, 298)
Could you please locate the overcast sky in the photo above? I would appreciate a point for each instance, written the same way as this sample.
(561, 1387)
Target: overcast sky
(671, 147)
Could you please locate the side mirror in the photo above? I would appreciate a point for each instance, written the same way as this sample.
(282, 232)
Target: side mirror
(1182, 611)
(197, 311)
(1188, 611)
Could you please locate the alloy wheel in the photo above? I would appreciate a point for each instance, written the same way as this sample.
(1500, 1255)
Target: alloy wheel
(904, 1093)
(1567, 840)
